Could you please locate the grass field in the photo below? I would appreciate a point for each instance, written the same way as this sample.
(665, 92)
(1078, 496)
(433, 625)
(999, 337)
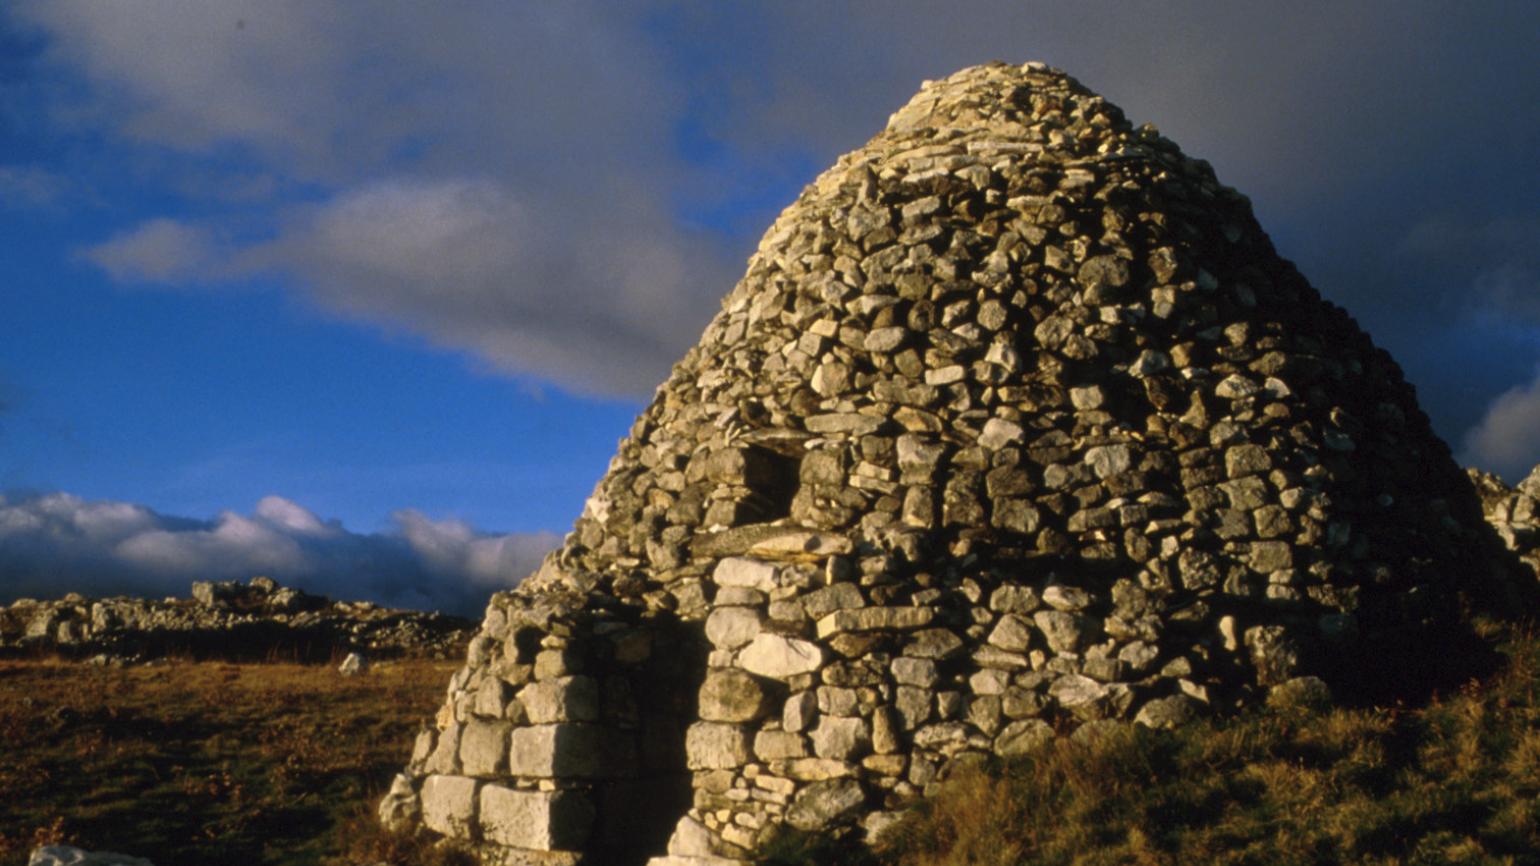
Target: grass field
(203, 762)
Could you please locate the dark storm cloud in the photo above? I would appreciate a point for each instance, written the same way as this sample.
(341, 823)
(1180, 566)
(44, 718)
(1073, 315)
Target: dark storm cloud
(510, 179)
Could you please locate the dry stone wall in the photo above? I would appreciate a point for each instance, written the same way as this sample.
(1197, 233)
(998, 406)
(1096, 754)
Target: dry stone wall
(1513, 512)
(1017, 423)
(254, 620)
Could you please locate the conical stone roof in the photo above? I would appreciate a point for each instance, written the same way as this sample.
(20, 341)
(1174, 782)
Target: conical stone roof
(1016, 422)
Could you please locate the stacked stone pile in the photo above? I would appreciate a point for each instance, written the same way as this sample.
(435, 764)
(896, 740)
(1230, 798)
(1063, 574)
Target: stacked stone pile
(226, 619)
(1017, 423)
(1513, 512)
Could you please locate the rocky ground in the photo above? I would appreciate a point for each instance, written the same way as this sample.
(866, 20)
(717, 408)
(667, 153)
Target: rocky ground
(258, 620)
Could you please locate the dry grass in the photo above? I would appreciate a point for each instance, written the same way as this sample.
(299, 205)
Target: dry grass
(199, 762)
(1455, 781)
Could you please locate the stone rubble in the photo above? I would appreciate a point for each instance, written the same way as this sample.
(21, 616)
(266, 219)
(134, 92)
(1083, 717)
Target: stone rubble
(1017, 425)
(1513, 513)
(255, 620)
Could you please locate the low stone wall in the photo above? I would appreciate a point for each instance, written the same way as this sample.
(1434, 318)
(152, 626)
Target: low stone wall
(256, 620)
(565, 733)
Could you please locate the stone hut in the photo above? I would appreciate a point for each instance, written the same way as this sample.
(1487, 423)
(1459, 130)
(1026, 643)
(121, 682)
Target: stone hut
(1016, 423)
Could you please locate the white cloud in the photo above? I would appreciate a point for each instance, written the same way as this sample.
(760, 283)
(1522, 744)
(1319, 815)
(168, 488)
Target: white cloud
(1507, 439)
(31, 187)
(163, 251)
(56, 543)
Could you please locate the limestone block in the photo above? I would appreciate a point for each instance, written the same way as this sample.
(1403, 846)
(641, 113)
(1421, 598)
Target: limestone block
(1167, 712)
(1109, 460)
(449, 805)
(731, 627)
(885, 731)
(1021, 737)
(801, 545)
(731, 695)
(400, 807)
(1065, 632)
(445, 759)
(841, 738)
(484, 748)
(799, 711)
(539, 820)
(839, 596)
(779, 746)
(1080, 695)
(1067, 598)
(913, 705)
(999, 433)
(1011, 634)
(716, 746)
(934, 643)
(915, 672)
(875, 619)
(563, 699)
(822, 803)
(779, 657)
(560, 750)
(745, 572)
(690, 839)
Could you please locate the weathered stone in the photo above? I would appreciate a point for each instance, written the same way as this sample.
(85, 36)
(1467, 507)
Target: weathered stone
(449, 805)
(484, 748)
(564, 699)
(1080, 695)
(549, 751)
(840, 738)
(715, 746)
(1168, 712)
(874, 619)
(934, 643)
(823, 803)
(1069, 598)
(730, 695)
(537, 820)
(747, 573)
(999, 433)
(1011, 634)
(840, 596)
(799, 711)
(1109, 460)
(780, 657)
(1064, 632)
(915, 672)
(779, 745)
(732, 627)
(1014, 599)
(1019, 738)
(1302, 692)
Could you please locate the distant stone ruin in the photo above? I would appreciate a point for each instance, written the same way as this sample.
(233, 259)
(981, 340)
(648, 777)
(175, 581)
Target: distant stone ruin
(258, 620)
(1017, 423)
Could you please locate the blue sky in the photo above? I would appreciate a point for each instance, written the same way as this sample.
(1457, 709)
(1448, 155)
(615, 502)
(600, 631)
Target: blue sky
(379, 286)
